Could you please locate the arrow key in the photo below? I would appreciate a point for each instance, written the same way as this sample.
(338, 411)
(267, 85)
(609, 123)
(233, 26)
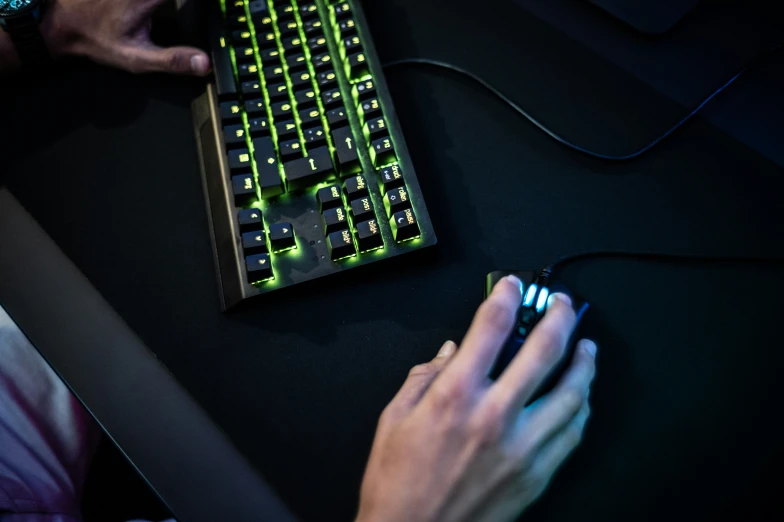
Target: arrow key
(254, 242)
(259, 268)
(348, 159)
(282, 237)
(249, 219)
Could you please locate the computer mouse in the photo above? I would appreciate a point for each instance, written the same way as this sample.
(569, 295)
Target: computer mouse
(536, 290)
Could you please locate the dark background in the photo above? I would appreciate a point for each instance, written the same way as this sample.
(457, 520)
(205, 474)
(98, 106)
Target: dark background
(689, 354)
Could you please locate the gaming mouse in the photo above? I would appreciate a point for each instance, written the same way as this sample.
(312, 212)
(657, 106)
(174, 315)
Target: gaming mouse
(536, 289)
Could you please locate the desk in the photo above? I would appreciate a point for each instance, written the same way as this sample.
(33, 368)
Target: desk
(688, 360)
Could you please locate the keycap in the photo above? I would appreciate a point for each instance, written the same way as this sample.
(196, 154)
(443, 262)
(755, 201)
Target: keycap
(230, 111)
(404, 225)
(267, 167)
(237, 20)
(356, 187)
(281, 236)
(327, 79)
(244, 188)
(249, 219)
(334, 219)
(346, 146)
(258, 127)
(314, 27)
(301, 79)
(347, 27)
(266, 39)
(351, 45)
(364, 90)
(270, 57)
(296, 62)
(286, 130)
(317, 44)
(281, 110)
(290, 150)
(342, 11)
(362, 209)
(251, 88)
(288, 28)
(273, 73)
(369, 235)
(234, 6)
(244, 55)
(310, 118)
(263, 24)
(391, 177)
(248, 71)
(329, 197)
(241, 37)
(239, 159)
(376, 128)
(322, 62)
(332, 98)
(278, 92)
(234, 136)
(337, 118)
(315, 136)
(306, 98)
(259, 268)
(358, 66)
(370, 109)
(396, 200)
(258, 9)
(286, 12)
(306, 172)
(255, 107)
(340, 245)
(293, 43)
(308, 11)
(382, 152)
(254, 242)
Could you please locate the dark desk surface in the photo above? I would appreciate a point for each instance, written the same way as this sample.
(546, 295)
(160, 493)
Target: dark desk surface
(688, 360)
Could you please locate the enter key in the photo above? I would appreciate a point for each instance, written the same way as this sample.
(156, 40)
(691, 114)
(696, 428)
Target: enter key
(346, 145)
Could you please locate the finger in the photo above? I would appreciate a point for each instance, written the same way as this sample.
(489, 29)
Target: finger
(550, 414)
(488, 332)
(419, 380)
(538, 356)
(173, 60)
(556, 451)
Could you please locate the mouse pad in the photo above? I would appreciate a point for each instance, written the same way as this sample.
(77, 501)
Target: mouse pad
(687, 360)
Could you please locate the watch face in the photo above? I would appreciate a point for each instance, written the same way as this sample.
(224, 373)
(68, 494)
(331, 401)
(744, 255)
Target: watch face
(9, 7)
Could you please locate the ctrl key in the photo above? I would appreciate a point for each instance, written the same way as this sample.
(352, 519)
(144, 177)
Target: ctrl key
(259, 268)
(340, 245)
(404, 225)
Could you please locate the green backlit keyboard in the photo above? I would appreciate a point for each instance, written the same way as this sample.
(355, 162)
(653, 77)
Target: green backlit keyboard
(305, 169)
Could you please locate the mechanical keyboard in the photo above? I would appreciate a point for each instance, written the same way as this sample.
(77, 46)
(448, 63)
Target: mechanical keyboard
(304, 166)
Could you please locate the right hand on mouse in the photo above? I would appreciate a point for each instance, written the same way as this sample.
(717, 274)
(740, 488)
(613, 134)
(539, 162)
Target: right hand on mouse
(455, 446)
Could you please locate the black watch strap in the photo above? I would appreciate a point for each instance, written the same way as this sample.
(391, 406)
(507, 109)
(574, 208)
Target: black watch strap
(29, 43)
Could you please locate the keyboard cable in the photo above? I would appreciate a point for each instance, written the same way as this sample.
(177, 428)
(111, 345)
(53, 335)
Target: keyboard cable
(560, 139)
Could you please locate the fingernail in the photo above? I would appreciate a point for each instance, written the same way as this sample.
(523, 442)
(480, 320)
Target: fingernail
(447, 350)
(589, 346)
(565, 299)
(515, 281)
(199, 64)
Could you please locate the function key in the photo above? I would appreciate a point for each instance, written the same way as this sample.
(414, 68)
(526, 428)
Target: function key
(249, 220)
(376, 128)
(254, 242)
(391, 177)
(347, 28)
(329, 197)
(259, 268)
(334, 219)
(382, 152)
(282, 237)
(315, 136)
(340, 245)
(362, 209)
(369, 235)
(306, 172)
(239, 159)
(356, 187)
(308, 11)
(346, 145)
(244, 188)
(342, 11)
(396, 200)
(357, 66)
(364, 90)
(234, 136)
(327, 79)
(337, 118)
(370, 109)
(230, 111)
(404, 225)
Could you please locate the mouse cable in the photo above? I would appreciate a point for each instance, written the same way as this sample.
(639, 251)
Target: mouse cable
(562, 140)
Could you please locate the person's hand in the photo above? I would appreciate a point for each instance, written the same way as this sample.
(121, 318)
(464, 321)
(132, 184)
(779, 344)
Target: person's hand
(116, 33)
(455, 446)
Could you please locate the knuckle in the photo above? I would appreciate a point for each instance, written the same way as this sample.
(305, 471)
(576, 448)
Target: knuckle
(422, 369)
(177, 62)
(572, 400)
(445, 396)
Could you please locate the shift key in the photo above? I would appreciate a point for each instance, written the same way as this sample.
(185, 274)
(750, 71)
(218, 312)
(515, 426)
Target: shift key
(346, 145)
(307, 172)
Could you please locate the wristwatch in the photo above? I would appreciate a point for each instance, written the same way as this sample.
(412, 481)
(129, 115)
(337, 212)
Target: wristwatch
(21, 19)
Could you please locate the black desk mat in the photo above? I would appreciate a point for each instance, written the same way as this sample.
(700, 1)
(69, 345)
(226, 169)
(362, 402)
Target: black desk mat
(688, 353)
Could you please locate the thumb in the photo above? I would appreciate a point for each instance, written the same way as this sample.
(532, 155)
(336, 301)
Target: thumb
(419, 380)
(173, 60)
